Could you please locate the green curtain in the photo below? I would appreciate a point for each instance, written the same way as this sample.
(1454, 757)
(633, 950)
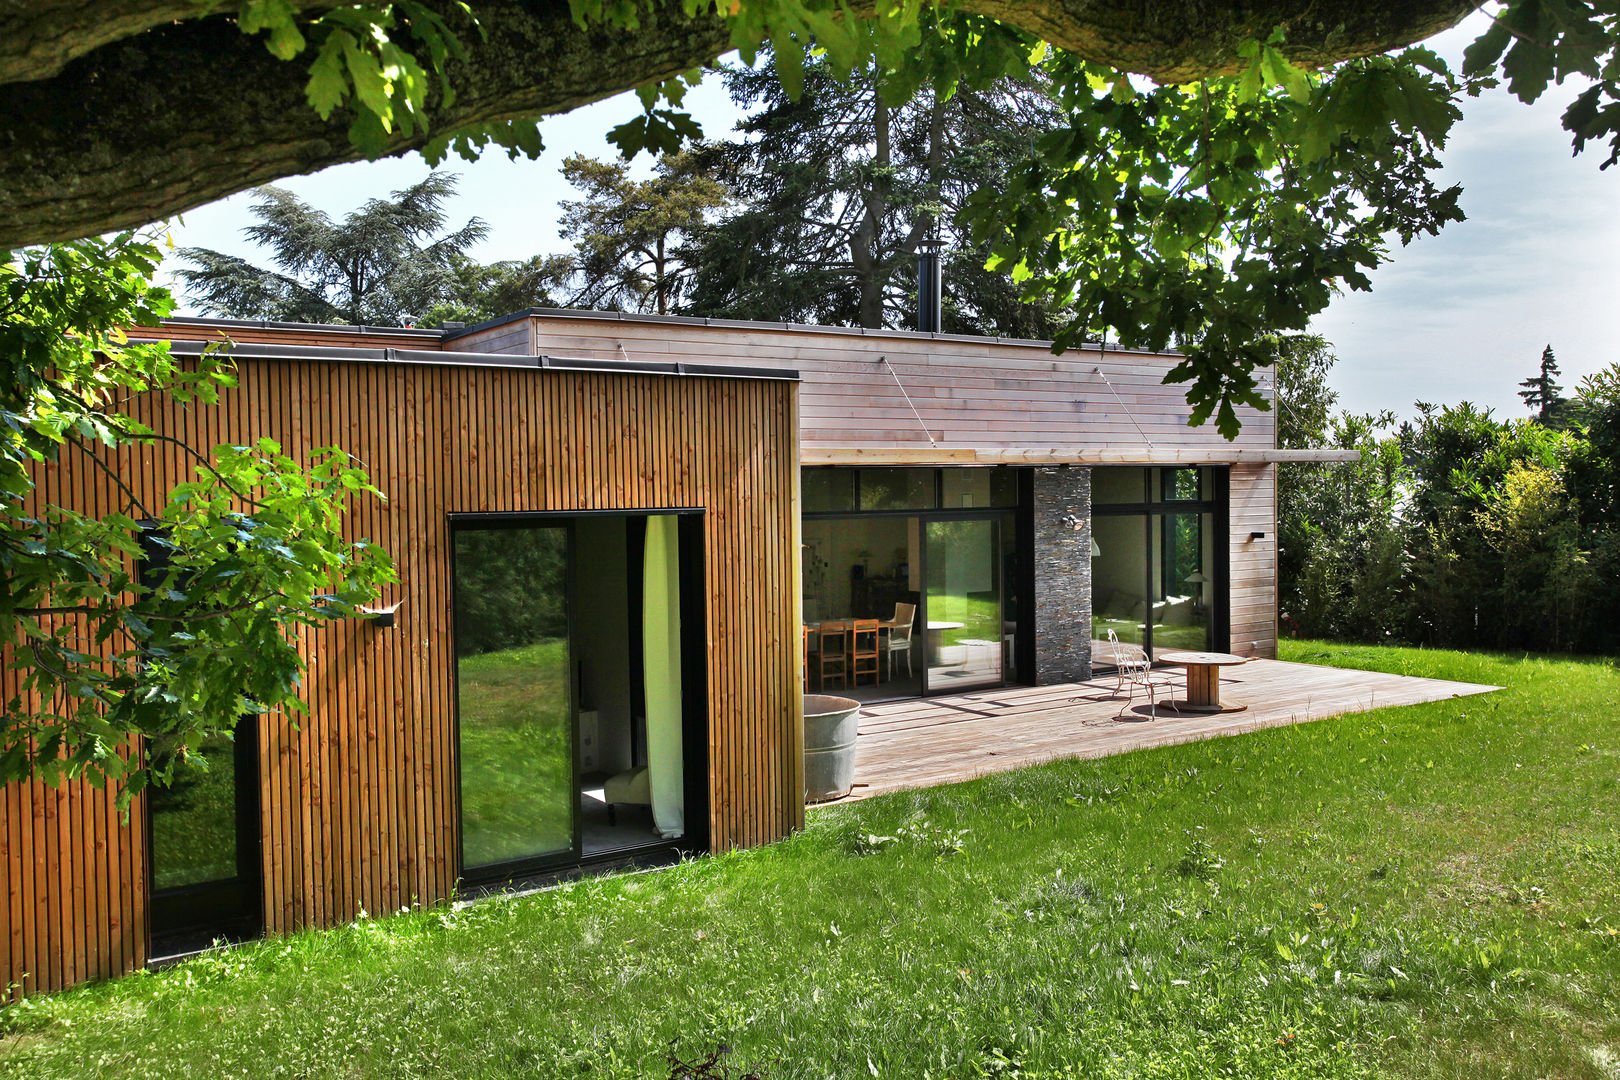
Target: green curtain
(661, 664)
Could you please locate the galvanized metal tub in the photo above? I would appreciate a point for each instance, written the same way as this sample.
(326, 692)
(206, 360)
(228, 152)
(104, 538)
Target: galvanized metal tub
(829, 746)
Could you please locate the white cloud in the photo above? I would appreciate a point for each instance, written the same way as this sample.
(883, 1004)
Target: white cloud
(1465, 315)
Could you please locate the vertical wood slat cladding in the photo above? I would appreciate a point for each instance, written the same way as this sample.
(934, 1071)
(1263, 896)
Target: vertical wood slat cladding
(358, 801)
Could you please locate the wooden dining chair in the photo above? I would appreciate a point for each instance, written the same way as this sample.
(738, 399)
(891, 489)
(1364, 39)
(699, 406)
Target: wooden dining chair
(833, 657)
(864, 651)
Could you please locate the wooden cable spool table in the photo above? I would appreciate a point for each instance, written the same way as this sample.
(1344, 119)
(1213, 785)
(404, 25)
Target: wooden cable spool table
(1203, 680)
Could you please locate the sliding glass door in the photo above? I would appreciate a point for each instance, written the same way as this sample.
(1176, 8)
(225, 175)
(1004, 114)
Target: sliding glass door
(1157, 570)
(964, 608)
(935, 556)
(514, 696)
(1180, 584)
(580, 688)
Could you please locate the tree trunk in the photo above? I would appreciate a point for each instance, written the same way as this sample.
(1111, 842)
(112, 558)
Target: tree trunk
(870, 267)
(659, 280)
(188, 113)
(123, 112)
(44, 36)
(356, 296)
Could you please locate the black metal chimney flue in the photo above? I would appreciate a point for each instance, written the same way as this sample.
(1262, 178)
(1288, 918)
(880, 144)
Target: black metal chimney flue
(928, 285)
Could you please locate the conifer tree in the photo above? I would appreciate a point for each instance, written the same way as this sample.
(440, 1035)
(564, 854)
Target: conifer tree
(1541, 392)
(835, 190)
(381, 263)
(628, 234)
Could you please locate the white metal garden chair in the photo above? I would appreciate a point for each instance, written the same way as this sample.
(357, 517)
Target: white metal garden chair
(1132, 668)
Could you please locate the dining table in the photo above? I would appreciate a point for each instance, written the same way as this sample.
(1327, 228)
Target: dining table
(812, 635)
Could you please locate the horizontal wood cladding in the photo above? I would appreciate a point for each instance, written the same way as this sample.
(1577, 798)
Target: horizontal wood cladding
(1105, 455)
(509, 337)
(359, 801)
(353, 337)
(1253, 567)
(979, 393)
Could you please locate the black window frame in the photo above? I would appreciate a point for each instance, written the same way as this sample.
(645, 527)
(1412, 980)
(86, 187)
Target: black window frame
(1021, 511)
(183, 918)
(1017, 474)
(694, 694)
(1218, 506)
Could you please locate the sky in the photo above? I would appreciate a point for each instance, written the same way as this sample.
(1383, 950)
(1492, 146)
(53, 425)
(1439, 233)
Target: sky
(1465, 315)
(1461, 316)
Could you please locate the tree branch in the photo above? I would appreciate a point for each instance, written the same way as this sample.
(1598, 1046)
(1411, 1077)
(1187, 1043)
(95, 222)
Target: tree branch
(203, 616)
(134, 500)
(145, 110)
(206, 462)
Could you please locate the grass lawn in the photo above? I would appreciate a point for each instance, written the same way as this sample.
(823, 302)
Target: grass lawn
(1430, 891)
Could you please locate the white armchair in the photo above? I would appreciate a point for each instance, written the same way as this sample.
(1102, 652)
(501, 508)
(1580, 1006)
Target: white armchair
(898, 642)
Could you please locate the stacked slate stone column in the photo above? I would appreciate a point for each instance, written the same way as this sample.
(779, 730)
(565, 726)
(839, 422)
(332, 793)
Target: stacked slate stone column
(1062, 575)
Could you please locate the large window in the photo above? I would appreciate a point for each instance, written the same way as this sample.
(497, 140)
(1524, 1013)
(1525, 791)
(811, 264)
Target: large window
(203, 829)
(966, 616)
(936, 546)
(194, 835)
(1157, 566)
(204, 846)
(836, 489)
(898, 489)
(580, 687)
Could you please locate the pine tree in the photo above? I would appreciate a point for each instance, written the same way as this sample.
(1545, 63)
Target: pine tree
(1541, 392)
(379, 264)
(835, 189)
(628, 233)
(487, 290)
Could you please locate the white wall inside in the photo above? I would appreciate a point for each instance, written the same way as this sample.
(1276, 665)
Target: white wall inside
(880, 545)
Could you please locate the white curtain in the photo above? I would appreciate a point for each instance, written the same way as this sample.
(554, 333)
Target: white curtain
(661, 651)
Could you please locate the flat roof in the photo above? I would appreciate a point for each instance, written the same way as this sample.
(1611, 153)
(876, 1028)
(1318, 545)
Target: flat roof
(825, 456)
(430, 357)
(801, 328)
(452, 333)
(330, 328)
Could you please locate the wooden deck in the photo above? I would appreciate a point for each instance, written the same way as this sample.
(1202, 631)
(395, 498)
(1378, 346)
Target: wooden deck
(942, 740)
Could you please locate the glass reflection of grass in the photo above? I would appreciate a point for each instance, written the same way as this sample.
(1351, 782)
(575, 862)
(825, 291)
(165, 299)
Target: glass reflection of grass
(1127, 630)
(1188, 636)
(1192, 636)
(980, 616)
(194, 821)
(516, 753)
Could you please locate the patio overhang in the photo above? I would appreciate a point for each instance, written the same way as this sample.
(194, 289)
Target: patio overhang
(968, 455)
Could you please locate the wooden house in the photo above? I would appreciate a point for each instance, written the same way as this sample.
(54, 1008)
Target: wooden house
(625, 545)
